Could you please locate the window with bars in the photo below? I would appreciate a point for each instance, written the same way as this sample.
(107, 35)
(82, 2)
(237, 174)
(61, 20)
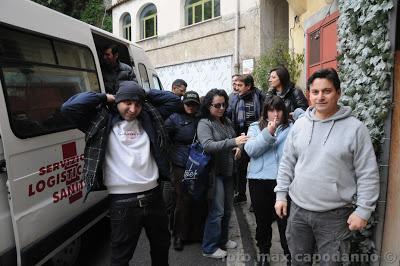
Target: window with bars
(148, 22)
(200, 10)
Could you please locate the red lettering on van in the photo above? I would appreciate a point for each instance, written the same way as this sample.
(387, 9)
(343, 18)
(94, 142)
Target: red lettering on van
(42, 170)
(72, 170)
(31, 192)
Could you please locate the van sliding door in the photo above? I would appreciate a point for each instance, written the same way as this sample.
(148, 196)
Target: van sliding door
(43, 152)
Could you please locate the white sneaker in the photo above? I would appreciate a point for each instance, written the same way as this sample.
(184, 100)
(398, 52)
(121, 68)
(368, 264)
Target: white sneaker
(230, 244)
(218, 254)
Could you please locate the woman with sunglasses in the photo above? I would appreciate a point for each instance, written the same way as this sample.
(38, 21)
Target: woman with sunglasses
(265, 147)
(217, 136)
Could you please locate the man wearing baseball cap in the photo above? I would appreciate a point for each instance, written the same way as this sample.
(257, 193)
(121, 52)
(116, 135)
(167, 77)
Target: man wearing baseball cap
(127, 153)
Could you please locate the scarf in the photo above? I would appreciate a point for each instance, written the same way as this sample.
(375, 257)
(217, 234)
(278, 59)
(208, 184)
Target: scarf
(241, 108)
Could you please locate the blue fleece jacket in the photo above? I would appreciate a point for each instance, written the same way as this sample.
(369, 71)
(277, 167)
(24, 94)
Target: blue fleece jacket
(265, 151)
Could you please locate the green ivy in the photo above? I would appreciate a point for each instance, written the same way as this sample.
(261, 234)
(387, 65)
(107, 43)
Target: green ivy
(365, 65)
(277, 55)
(365, 61)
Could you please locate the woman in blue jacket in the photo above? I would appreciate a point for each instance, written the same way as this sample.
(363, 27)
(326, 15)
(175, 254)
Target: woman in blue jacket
(189, 215)
(265, 147)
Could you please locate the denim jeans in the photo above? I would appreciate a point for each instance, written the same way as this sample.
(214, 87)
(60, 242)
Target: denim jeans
(219, 214)
(328, 231)
(127, 221)
(169, 197)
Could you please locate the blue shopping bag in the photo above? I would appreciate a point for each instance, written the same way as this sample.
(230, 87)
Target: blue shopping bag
(195, 177)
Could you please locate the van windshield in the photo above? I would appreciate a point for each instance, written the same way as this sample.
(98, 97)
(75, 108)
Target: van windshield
(38, 74)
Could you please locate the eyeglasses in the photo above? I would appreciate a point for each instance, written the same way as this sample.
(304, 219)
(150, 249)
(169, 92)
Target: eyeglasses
(219, 105)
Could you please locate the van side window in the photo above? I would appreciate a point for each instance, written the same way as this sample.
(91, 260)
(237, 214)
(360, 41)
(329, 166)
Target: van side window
(157, 83)
(83, 58)
(38, 74)
(24, 47)
(144, 77)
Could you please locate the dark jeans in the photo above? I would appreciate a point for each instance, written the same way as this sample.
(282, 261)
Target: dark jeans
(241, 174)
(190, 215)
(127, 221)
(169, 197)
(327, 230)
(219, 214)
(263, 199)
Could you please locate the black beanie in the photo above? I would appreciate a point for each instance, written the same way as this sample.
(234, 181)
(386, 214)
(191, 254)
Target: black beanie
(130, 90)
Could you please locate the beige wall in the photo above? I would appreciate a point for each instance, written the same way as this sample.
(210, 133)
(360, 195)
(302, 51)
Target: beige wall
(210, 39)
(308, 12)
(274, 22)
(170, 14)
(261, 21)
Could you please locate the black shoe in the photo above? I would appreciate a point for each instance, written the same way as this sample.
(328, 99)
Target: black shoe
(239, 198)
(178, 244)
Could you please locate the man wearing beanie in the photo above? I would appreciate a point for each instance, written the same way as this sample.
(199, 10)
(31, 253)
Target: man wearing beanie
(127, 153)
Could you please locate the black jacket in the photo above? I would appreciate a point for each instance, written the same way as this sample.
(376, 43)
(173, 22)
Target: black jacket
(112, 76)
(293, 98)
(181, 129)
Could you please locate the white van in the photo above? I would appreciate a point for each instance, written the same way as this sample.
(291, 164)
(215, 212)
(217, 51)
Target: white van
(46, 57)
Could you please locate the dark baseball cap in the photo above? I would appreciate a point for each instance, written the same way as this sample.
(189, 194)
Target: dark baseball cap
(191, 96)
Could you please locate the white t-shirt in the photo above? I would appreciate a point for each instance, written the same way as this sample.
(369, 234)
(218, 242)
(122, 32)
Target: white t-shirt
(129, 166)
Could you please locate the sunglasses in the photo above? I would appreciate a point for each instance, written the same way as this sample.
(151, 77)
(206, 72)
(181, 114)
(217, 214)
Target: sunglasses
(219, 105)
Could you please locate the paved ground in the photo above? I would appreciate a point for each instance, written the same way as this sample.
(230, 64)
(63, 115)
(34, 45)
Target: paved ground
(247, 226)
(242, 230)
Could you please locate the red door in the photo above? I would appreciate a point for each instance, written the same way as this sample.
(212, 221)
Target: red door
(321, 44)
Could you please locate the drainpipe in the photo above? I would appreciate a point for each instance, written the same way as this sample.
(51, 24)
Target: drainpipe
(236, 64)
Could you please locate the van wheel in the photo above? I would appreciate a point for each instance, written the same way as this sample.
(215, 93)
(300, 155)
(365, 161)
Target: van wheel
(69, 255)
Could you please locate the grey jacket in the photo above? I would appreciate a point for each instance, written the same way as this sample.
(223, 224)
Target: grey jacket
(218, 140)
(113, 76)
(329, 164)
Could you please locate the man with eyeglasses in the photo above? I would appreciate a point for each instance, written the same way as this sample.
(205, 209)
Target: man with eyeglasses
(245, 107)
(179, 87)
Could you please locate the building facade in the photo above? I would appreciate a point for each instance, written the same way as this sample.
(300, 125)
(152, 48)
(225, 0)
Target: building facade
(203, 42)
(313, 31)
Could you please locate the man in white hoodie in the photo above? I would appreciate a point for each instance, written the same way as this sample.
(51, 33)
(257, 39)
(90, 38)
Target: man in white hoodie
(328, 166)
(127, 152)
